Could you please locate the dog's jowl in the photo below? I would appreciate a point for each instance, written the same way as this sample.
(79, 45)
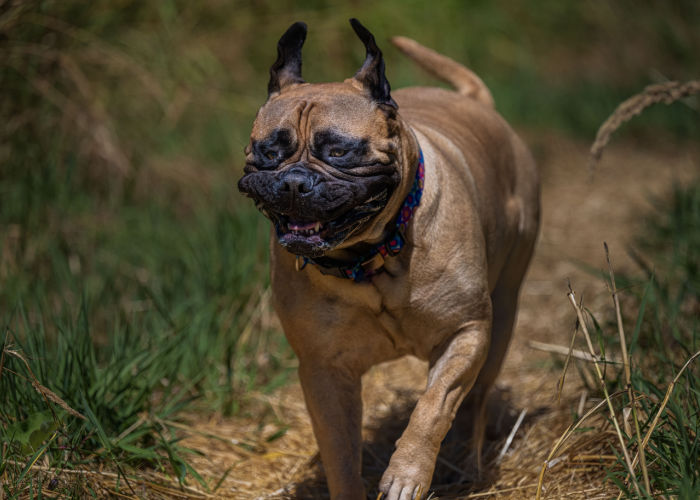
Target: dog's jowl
(402, 223)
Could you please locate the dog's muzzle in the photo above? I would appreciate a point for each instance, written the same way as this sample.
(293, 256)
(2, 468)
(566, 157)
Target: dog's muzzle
(312, 214)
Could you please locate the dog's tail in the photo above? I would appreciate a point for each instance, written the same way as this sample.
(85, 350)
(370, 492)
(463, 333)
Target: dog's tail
(462, 79)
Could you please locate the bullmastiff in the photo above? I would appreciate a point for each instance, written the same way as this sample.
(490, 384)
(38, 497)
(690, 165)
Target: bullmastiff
(403, 223)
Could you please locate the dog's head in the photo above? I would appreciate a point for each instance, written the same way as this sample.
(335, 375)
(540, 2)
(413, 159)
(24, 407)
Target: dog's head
(324, 161)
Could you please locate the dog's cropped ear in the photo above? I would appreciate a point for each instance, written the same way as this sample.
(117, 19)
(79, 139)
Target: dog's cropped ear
(287, 67)
(371, 74)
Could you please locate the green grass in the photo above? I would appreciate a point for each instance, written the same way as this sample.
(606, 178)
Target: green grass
(140, 332)
(666, 334)
(661, 337)
(133, 277)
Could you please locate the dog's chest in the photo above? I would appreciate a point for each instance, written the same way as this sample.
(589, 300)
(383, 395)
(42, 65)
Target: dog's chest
(415, 318)
(405, 310)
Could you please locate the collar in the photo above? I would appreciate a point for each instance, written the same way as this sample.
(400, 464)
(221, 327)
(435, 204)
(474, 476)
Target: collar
(372, 263)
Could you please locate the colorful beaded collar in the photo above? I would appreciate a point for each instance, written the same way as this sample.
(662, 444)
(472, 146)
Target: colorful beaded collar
(372, 263)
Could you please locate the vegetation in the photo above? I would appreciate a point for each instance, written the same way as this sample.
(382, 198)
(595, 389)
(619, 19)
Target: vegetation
(659, 366)
(659, 386)
(665, 337)
(133, 278)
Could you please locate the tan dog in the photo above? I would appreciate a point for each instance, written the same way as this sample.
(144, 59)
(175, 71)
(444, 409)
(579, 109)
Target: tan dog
(337, 168)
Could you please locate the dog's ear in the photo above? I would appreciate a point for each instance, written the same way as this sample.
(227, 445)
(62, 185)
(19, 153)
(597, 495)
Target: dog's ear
(287, 67)
(371, 74)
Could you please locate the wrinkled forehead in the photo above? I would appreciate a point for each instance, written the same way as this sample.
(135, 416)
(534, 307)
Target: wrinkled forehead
(311, 108)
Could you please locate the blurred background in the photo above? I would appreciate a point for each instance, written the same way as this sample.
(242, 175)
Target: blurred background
(129, 263)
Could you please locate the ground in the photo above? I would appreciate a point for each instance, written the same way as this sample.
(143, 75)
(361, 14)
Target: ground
(579, 214)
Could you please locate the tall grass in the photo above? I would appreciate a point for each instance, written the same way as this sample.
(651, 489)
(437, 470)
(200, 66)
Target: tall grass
(652, 391)
(665, 336)
(137, 336)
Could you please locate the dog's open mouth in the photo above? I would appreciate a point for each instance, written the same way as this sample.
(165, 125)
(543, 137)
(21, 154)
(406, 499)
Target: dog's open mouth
(304, 228)
(292, 231)
(313, 238)
(303, 237)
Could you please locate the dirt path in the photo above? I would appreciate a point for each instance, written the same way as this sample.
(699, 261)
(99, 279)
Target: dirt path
(577, 217)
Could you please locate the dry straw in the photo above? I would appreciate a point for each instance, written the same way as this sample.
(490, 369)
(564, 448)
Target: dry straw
(45, 392)
(628, 376)
(667, 93)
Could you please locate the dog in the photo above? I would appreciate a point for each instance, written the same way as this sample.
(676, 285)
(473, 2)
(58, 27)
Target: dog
(403, 223)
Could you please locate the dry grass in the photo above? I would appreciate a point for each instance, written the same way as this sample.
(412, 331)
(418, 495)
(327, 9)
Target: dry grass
(45, 392)
(90, 482)
(667, 93)
(289, 467)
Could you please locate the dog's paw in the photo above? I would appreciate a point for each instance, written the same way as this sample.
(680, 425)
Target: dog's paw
(404, 484)
(395, 488)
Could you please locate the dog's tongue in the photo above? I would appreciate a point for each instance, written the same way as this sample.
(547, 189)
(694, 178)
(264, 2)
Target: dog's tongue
(302, 226)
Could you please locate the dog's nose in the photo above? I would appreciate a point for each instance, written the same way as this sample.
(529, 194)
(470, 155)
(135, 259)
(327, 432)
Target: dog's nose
(297, 181)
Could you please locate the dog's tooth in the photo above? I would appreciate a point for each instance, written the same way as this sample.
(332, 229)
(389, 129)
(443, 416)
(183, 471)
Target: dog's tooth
(317, 227)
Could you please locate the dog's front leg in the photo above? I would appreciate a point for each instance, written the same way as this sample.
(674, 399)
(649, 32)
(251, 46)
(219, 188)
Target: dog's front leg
(333, 398)
(454, 368)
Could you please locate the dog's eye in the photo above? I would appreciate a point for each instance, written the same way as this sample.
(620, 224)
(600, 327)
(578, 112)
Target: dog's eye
(272, 155)
(337, 152)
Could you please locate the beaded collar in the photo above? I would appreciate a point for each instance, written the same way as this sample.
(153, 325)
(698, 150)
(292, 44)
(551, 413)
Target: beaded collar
(372, 263)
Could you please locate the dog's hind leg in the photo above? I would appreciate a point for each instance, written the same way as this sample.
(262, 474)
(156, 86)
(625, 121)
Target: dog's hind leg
(504, 300)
